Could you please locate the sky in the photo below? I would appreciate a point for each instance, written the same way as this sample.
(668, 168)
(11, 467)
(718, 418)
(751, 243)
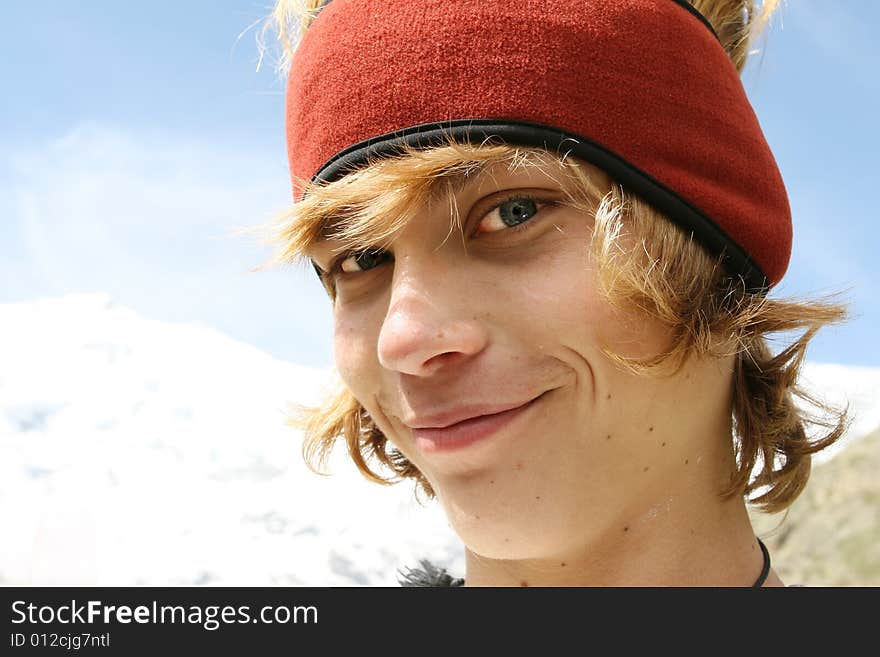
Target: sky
(135, 137)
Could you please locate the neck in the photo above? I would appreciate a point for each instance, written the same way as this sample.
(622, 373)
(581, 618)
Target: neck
(665, 544)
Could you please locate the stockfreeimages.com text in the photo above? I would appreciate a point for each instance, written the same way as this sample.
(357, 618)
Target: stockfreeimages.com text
(211, 617)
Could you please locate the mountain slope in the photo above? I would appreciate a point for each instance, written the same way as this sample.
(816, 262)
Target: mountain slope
(137, 452)
(831, 535)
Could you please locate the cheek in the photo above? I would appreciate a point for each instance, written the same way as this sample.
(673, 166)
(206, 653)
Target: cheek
(353, 353)
(562, 295)
(565, 291)
(633, 334)
(567, 300)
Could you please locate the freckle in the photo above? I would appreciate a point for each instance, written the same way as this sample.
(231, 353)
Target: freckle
(507, 540)
(491, 481)
(477, 517)
(626, 529)
(662, 444)
(519, 465)
(650, 428)
(562, 564)
(609, 396)
(537, 497)
(647, 467)
(685, 461)
(608, 437)
(523, 583)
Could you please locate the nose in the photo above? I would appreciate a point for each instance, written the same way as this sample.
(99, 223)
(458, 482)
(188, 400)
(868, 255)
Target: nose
(430, 321)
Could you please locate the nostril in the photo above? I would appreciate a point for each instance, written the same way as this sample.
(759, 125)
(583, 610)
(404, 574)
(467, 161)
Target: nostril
(441, 360)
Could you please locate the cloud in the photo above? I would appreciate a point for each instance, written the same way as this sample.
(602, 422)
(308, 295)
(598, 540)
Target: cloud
(148, 218)
(101, 201)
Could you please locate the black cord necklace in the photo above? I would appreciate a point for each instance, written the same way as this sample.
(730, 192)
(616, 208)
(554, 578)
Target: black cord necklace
(766, 570)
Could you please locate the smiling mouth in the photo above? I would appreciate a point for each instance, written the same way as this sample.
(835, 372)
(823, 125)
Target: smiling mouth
(436, 421)
(470, 431)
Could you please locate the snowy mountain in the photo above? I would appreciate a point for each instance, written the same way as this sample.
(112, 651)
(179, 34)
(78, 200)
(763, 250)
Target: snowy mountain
(138, 452)
(135, 452)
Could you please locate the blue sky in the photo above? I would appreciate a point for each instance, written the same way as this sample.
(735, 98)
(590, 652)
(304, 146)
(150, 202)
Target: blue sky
(134, 136)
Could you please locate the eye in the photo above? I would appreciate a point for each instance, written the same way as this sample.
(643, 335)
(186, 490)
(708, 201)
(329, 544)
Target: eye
(365, 260)
(514, 212)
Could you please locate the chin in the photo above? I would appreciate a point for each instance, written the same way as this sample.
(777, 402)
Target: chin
(506, 537)
(513, 549)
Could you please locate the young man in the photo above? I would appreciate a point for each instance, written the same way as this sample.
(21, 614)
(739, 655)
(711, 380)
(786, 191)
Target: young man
(549, 231)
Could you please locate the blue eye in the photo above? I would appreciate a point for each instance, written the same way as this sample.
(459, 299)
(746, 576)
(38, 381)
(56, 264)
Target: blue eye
(513, 213)
(517, 210)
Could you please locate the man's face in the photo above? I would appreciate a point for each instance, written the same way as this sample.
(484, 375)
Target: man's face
(506, 318)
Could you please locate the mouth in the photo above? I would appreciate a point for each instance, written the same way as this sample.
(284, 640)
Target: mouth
(468, 432)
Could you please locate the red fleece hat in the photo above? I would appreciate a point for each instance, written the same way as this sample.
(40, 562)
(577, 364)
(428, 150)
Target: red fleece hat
(642, 89)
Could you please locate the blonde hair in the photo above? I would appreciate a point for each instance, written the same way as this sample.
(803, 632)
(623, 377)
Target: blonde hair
(643, 259)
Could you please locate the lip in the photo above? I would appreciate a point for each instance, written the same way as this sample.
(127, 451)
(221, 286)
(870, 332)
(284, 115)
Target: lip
(460, 414)
(466, 433)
